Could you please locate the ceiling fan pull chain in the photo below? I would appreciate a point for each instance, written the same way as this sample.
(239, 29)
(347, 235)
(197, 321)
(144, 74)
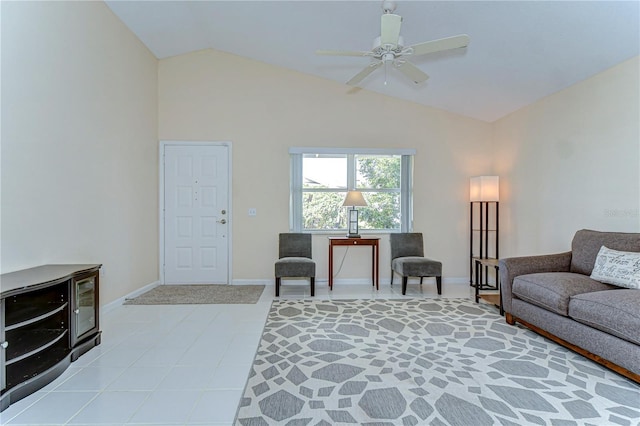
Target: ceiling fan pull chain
(386, 69)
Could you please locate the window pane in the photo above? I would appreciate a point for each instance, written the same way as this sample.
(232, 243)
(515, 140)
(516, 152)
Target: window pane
(320, 182)
(378, 172)
(323, 210)
(382, 212)
(324, 171)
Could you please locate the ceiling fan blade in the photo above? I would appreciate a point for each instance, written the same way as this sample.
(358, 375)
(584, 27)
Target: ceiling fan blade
(439, 45)
(343, 53)
(390, 29)
(414, 73)
(365, 72)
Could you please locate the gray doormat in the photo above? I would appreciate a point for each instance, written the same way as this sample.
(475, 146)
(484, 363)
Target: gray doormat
(422, 362)
(204, 294)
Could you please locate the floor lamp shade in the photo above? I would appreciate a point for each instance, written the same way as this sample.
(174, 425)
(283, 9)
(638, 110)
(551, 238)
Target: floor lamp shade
(484, 188)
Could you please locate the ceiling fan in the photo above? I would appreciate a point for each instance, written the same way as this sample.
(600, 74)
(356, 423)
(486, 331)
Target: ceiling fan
(389, 48)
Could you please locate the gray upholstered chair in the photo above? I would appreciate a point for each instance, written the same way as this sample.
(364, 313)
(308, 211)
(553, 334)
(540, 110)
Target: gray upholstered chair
(407, 259)
(295, 259)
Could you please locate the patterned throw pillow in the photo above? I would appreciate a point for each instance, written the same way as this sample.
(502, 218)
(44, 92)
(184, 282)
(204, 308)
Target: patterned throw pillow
(621, 268)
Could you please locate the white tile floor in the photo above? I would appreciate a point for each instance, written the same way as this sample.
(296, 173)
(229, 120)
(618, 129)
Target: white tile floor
(173, 365)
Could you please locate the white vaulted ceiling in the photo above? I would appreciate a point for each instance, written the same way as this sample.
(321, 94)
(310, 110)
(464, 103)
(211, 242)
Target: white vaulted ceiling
(520, 51)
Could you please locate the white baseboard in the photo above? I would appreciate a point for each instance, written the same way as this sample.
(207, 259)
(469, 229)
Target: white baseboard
(349, 281)
(118, 302)
(270, 282)
(241, 281)
(456, 280)
(397, 279)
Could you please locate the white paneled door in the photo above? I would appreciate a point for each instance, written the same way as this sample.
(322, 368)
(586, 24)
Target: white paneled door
(196, 214)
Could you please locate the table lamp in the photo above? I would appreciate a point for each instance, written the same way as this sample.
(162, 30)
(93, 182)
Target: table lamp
(353, 199)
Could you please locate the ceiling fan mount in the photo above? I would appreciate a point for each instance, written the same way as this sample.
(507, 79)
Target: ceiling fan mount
(389, 48)
(389, 6)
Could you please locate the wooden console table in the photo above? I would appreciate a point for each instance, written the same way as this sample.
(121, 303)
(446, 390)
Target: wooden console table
(49, 317)
(373, 242)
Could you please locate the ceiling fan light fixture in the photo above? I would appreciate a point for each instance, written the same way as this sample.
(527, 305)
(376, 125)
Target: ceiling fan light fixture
(379, 47)
(388, 57)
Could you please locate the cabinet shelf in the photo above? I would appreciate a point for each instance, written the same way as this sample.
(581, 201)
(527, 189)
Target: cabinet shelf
(26, 314)
(33, 366)
(486, 261)
(493, 298)
(30, 343)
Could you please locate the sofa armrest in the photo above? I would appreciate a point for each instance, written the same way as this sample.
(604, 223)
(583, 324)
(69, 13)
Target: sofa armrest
(513, 266)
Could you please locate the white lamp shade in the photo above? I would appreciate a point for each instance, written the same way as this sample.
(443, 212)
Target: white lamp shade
(355, 199)
(484, 188)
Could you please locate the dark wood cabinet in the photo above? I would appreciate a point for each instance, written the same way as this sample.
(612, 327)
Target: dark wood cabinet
(49, 318)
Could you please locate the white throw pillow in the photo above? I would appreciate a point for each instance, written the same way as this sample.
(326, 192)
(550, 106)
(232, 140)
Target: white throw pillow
(621, 268)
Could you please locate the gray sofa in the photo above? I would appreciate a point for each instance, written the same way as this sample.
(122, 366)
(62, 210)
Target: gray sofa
(554, 296)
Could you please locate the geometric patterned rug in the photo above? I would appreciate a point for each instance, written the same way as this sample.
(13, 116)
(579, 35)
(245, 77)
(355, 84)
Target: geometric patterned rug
(422, 362)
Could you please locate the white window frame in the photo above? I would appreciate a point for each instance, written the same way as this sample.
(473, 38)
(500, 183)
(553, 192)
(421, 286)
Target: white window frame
(296, 186)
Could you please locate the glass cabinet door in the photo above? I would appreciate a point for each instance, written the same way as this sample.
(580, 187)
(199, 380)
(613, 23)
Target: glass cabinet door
(85, 308)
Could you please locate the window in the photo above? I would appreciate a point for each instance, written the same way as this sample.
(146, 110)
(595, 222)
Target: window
(320, 178)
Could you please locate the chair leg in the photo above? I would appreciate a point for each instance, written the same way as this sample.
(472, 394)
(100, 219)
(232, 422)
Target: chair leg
(404, 285)
(313, 286)
(277, 286)
(392, 277)
(439, 285)
(421, 280)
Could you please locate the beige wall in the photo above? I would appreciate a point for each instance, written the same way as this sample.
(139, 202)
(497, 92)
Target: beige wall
(571, 161)
(263, 110)
(84, 104)
(79, 143)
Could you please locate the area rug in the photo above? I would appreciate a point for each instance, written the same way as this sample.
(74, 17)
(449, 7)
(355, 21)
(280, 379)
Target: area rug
(199, 294)
(422, 362)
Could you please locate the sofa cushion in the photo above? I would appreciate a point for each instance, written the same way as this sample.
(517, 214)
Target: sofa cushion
(621, 268)
(552, 290)
(586, 245)
(615, 312)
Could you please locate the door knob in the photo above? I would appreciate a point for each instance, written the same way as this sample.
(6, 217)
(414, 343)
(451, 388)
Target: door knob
(222, 221)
